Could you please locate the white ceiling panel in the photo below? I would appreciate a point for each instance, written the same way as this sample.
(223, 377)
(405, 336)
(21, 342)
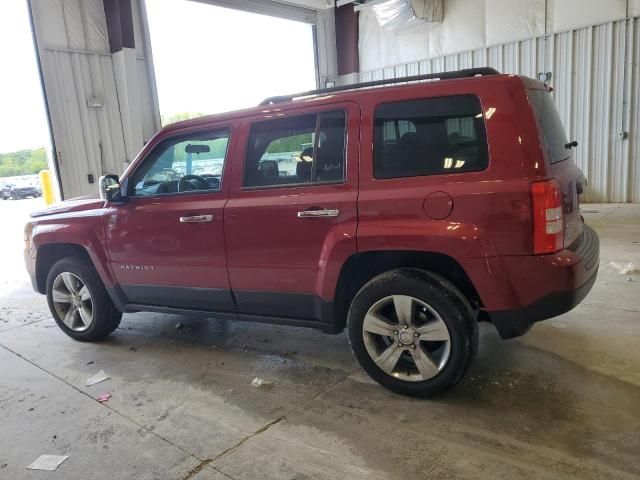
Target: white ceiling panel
(510, 20)
(270, 7)
(314, 4)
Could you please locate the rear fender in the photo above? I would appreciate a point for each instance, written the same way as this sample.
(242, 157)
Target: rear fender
(468, 244)
(451, 238)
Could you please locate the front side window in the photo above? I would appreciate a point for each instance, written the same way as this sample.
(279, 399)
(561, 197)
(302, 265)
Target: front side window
(182, 164)
(300, 150)
(429, 137)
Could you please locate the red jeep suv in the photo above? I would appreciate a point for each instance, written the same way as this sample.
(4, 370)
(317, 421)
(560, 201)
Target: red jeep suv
(403, 210)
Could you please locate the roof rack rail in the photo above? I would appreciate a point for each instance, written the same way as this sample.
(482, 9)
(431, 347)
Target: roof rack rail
(469, 72)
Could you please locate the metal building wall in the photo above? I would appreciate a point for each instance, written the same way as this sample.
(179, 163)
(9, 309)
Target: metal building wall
(81, 90)
(596, 80)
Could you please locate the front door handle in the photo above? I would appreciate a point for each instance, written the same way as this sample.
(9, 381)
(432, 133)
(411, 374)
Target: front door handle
(196, 219)
(318, 213)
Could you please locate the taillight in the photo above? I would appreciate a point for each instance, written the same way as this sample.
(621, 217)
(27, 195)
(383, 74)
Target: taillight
(548, 224)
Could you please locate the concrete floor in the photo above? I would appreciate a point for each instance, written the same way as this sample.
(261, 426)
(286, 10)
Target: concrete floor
(561, 402)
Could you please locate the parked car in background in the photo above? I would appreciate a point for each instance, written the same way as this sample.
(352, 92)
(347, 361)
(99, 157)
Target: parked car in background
(19, 190)
(5, 191)
(413, 212)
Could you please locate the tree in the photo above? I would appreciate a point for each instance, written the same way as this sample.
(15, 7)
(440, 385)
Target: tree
(23, 162)
(178, 117)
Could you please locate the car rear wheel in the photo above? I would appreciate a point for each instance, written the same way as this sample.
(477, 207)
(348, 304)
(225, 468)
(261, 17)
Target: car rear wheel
(78, 301)
(413, 332)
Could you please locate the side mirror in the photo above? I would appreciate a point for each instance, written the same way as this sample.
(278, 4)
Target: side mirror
(109, 187)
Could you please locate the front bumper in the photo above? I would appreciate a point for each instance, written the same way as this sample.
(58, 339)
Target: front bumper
(30, 254)
(564, 279)
(30, 264)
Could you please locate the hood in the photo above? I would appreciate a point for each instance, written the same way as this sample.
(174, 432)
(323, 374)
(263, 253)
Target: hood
(88, 202)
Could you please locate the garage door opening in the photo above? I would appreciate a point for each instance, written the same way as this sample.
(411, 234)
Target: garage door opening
(24, 137)
(210, 59)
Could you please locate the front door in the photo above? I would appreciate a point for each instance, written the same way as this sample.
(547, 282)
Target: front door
(166, 243)
(291, 218)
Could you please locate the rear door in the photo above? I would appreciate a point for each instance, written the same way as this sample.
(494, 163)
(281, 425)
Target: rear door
(291, 217)
(559, 153)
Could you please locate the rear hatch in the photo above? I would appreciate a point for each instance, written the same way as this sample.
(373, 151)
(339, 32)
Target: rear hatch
(559, 158)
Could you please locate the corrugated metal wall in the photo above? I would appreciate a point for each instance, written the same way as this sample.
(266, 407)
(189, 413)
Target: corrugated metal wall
(78, 71)
(596, 77)
(89, 140)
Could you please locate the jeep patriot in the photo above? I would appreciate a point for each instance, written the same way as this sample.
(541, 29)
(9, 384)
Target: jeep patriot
(404, 210)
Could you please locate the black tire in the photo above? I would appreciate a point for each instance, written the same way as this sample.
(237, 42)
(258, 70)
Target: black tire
(443, 297)
(106, 316)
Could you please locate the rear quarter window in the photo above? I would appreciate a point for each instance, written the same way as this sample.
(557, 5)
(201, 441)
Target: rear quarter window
(429, 137)
(553, 133)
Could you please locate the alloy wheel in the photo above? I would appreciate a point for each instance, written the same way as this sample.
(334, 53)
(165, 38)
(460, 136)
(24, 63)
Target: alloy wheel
(72, 301)
(406, 338)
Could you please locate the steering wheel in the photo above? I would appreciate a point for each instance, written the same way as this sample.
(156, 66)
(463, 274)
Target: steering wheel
(185, 185)
(212, 180)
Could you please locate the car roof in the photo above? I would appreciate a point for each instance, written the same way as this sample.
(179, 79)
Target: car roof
(348, 93)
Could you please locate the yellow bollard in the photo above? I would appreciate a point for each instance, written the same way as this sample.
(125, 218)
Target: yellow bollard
(47, 187)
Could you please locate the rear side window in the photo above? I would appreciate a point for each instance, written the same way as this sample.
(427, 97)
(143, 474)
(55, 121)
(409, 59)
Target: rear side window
(300, 150)
(553, 133)
(429, 137)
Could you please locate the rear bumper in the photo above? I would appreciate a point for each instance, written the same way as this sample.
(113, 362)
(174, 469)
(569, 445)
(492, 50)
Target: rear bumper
(550, 284)
(514, 323)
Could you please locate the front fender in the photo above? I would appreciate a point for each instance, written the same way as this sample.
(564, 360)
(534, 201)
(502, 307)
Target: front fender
(85, 229)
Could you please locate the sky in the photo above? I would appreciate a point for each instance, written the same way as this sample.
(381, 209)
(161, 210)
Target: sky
(211, 59)
(23, 123)
(207, 59)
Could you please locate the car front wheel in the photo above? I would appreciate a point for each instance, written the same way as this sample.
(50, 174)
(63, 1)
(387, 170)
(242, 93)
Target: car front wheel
(78, 301)
(413, 332)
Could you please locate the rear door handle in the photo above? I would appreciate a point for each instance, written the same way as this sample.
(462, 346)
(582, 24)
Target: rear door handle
(318, 213)
(196, 219)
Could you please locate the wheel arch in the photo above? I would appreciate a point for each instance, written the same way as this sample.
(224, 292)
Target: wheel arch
(49, 253)
(361, 267)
